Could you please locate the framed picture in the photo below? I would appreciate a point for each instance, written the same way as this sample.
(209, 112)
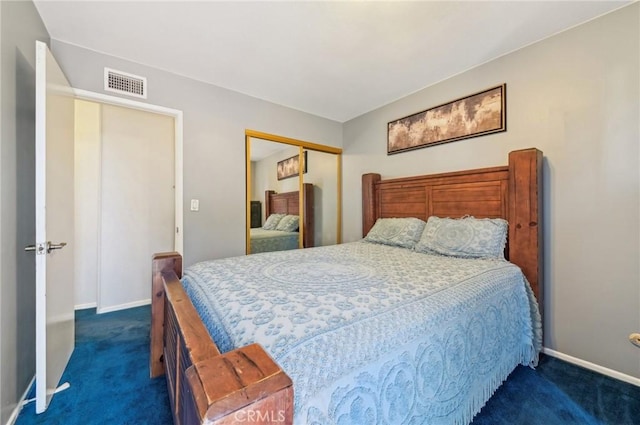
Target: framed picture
(471, 116)
(290, 167)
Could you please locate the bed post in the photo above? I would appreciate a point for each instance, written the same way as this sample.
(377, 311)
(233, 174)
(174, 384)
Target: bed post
(267, 203)
(243, 385)
(162, 263)
(370, 211)
(525, 216)
(308, 216)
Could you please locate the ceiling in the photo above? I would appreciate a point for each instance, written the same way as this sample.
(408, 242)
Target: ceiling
(337, 60)
(261, 148)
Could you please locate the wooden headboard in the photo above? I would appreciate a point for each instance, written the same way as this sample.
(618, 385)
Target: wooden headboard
(512, 192)
(289, 203)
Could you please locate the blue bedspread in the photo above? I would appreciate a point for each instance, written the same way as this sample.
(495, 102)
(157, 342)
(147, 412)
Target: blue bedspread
(372, 334)
(263, 240)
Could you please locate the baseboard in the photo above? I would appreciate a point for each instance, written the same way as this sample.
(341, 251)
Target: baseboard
(124, 306)
(16, 411)
(592, 366)
(85, 306)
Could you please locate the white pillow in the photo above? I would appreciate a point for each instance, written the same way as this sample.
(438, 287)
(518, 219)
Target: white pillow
(403, 232)
(467, 237)
(272, 221)
(289, 223)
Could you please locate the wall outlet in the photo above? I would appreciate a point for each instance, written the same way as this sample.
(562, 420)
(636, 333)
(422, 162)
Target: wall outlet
(635, 339)
(195, 205)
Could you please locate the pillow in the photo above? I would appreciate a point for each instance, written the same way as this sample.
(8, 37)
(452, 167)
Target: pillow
(272, 222)
(466, 237)
(403, 232)
(289, 223)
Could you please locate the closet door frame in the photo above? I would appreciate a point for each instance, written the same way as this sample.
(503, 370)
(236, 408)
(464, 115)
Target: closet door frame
(178, 153)
(177, 116)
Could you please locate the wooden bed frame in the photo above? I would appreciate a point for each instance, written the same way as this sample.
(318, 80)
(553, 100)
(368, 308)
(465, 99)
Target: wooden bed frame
(246, 385)
(289, 203)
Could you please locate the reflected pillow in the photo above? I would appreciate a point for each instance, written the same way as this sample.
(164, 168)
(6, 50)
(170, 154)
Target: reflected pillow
(272, 221)
(403, 232)
(466, 237)
(289, 223)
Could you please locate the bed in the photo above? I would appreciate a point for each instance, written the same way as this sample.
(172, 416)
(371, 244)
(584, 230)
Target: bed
(268, 240)
(395, 372)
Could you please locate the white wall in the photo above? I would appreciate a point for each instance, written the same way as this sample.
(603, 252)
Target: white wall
(264, 172)
(266, 177)
(20, 27)
(215, 120)
(574, 96)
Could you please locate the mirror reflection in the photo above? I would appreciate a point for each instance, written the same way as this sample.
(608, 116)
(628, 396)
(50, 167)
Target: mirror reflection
(292, 194)
(274, 197)
(323, 176)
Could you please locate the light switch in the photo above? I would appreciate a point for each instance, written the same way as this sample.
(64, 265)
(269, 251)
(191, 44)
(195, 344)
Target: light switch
(195, 205)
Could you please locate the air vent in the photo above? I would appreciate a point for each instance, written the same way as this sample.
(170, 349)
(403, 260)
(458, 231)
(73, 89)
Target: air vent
(125, 83)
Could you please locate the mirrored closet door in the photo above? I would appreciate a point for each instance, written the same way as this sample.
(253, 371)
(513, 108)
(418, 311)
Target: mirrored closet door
(292, 194)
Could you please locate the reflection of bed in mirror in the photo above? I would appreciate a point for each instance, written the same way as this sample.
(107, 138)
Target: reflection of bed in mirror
(288, 203)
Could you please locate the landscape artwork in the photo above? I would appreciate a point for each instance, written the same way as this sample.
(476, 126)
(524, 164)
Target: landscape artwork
(471, 116)
(290, 167)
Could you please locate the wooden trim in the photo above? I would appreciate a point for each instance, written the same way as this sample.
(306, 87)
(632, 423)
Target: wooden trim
(339, 200)
(295, 142)
(247, 188)
(301, 197)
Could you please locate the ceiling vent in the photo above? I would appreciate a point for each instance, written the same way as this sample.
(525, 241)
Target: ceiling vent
(125, 83)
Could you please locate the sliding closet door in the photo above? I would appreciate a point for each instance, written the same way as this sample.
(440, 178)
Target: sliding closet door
(137, 213)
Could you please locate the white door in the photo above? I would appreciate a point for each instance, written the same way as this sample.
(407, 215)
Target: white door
(54, 225)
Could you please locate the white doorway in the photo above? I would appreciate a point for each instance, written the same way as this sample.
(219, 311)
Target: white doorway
(128, 198)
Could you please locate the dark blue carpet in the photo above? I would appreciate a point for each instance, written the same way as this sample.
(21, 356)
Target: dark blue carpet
(109, 377)
(561, 393)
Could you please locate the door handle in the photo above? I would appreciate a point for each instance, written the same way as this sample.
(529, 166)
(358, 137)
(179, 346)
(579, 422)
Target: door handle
(52, 246)
(48, 247)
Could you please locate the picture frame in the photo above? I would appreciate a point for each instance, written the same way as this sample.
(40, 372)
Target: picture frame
(474, 115)
(290, 167)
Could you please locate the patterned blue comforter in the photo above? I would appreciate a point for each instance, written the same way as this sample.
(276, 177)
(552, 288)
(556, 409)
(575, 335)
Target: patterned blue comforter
(372, 334)
(263, 240)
